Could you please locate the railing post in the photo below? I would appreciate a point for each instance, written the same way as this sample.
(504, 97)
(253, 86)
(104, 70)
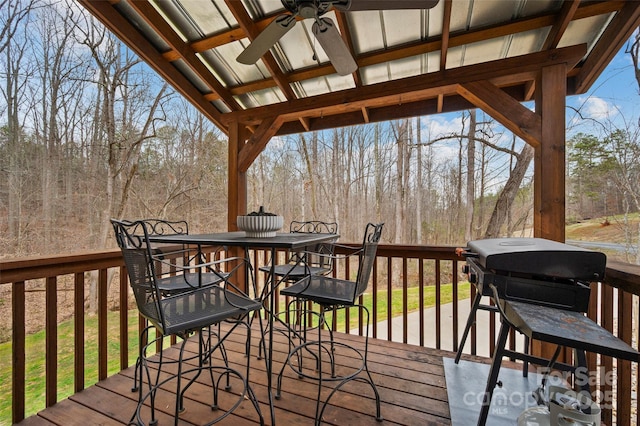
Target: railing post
(124, 318)
(78, 331)
(102, 324)
(438, 305)
(51, 327)
(625, 332)
(405, 301)
(606, 361)
(18, 349)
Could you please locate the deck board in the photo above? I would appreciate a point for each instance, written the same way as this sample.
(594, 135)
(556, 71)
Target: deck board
(410, 380)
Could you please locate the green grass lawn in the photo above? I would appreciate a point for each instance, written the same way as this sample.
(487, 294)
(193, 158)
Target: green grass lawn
(35, 344)
(35, 361)
(413, 303)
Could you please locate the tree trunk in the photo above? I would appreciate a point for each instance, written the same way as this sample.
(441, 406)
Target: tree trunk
(471, 172)
(400, 130)
(309, 187)
(509, 192)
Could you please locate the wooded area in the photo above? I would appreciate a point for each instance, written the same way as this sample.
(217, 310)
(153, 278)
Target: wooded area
(89, 132)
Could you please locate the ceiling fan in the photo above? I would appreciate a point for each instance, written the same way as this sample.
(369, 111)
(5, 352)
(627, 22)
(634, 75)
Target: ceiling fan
(323, 28)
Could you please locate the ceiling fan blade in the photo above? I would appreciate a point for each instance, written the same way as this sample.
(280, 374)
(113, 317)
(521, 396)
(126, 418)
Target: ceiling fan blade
(355, 5)
(334, 46)
(266, 39)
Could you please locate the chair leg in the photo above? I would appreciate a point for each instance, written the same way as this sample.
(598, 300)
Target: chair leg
(328, 348)
(209, 348)
(318, 419)
(180, 392)
(226, 372)
(142, 369)
(202, 356)
(137, 372)
(368, 379)
(252, 396)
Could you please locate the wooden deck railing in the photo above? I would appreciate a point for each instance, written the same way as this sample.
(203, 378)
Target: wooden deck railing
(400, 272)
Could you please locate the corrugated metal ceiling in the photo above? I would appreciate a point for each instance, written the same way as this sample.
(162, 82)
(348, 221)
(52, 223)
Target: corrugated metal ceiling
(388, 45)
(371, 31)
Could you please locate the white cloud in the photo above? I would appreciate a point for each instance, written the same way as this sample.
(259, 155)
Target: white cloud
(435, 126)
(597, 108)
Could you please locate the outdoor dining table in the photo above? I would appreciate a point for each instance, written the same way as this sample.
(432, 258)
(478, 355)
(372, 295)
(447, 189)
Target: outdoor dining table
(286, 241)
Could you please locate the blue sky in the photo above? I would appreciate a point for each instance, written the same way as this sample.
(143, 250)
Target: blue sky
(613, 100)
(614, 97)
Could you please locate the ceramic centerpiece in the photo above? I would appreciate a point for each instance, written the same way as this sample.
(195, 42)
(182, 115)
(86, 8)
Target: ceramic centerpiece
(260, 224)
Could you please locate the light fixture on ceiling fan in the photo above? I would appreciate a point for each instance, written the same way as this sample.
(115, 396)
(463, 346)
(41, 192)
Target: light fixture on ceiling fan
(323, 28)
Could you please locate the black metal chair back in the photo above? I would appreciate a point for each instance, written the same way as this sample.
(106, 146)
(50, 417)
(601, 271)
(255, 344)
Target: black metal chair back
(367, 258)
(152, 227)
(185, 312)
(180, 255)
(313, 227)
(133, 239)
(319, 255)
(316, 259)
(333, 293)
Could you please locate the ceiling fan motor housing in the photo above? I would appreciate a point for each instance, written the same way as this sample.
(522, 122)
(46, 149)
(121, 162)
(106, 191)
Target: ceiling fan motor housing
(307, 10)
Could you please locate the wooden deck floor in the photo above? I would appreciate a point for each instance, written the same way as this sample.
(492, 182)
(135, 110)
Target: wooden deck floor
(410, 381)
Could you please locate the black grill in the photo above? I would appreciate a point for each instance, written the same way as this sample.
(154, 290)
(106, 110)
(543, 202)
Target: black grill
(534, 270)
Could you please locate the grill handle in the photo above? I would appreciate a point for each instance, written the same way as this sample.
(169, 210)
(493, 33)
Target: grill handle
(465, 252)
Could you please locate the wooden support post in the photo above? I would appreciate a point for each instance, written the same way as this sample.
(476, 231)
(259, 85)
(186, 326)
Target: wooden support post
(237, 183)
(549, 167)
(237, 190)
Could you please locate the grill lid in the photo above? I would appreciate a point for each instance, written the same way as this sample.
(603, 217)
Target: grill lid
(538, 257)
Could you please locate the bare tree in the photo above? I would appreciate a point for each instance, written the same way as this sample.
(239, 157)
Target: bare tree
(125, 118)
(471, 177)
(309, 156)
(400, 131)
(56, 89)
(13, 13)
(419, 182)
(508, 194)
(17, 71)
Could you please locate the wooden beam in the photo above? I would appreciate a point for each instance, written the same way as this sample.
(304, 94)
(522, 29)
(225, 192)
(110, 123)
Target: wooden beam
(529, 90)
(502, 107)
(585, 10)
(306, 123)
(365, 114)
(376, 115)
(567, 13)
(182, 51)
(549, 167)
(229, 36)
(258, 141)
(237, 193)
(446, 26)
(614, 37)
(409, 89)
